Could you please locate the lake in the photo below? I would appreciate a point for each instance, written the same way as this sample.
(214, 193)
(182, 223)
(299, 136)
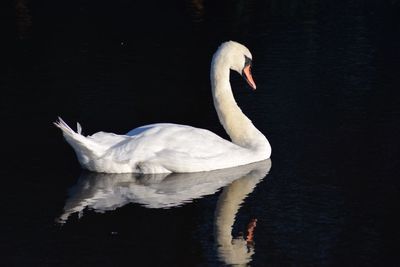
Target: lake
(327, 76)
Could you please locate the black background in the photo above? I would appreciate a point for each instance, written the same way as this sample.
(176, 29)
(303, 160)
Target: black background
(327, 75)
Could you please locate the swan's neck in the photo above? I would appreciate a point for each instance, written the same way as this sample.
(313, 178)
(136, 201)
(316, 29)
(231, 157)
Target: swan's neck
(239, 128)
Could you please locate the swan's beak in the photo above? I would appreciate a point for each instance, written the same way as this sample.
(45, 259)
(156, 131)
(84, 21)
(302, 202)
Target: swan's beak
(248, 77)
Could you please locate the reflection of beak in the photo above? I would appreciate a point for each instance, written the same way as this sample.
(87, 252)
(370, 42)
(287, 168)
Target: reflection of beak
(250, 231)
(247, 75)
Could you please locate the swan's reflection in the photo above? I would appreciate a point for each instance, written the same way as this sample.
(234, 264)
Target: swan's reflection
(103, 192)
(237, 250)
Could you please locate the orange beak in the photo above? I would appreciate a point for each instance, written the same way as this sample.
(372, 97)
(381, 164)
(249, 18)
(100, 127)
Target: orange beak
(248, 77)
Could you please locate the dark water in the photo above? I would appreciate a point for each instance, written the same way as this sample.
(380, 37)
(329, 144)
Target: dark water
(327, 99)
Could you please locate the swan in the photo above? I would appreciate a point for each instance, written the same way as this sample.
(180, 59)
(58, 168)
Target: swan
(167, 147)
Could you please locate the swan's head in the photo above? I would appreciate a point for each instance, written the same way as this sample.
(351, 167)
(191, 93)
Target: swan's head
(237, 57)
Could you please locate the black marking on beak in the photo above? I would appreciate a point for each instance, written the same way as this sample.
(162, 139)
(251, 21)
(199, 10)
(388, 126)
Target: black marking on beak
(247, 61)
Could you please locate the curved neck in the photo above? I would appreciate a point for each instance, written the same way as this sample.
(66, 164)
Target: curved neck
(239, 128)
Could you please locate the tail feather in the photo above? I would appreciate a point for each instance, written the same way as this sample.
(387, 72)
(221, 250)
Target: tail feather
(78, 128)
(84, 147)
(64, 126)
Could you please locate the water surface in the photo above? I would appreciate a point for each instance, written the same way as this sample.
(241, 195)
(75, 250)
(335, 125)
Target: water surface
(327, 100)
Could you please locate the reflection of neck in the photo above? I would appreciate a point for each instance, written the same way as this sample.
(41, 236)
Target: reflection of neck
(232, 250)
(227, 206)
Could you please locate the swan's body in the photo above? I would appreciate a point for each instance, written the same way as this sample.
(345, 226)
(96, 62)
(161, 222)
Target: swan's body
(164, 148)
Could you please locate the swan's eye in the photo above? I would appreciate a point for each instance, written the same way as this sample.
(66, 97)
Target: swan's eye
(247, 61)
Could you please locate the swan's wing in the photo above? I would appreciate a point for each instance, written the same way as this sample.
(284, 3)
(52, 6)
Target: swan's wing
(163, 139)
(179, 148)
(107, 139)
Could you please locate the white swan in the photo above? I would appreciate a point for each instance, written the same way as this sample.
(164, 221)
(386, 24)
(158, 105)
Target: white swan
(165, 148)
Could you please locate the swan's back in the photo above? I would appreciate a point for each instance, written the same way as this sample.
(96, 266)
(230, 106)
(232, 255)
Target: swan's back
(197, 142)
(175, 148)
